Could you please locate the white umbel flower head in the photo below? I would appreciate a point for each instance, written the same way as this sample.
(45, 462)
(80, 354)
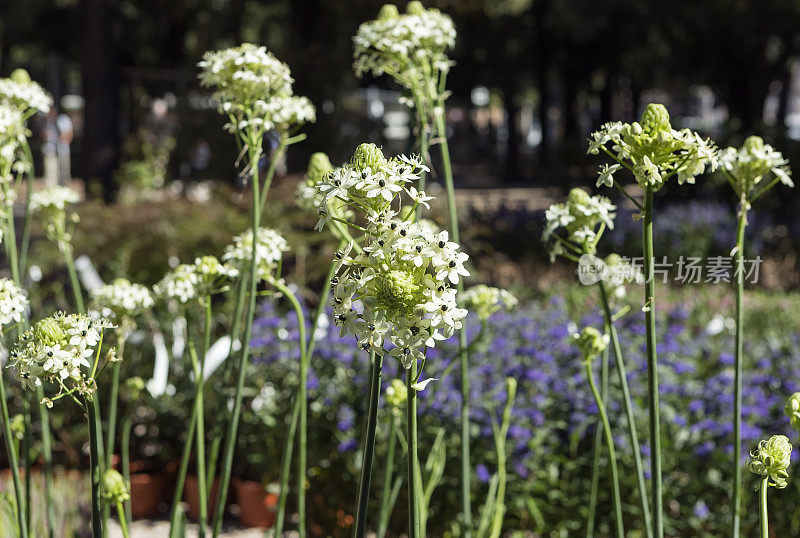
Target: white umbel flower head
(270, 247)
(754, 164)
(53, 199)
(411, 47)
(405, 281)
(582, 219)
(12, 130)
(486, 300)
(254, 88)
(180, 284)
(24, 94)
(13, 303)
(122, 299)
(653, 150)
(62, 350)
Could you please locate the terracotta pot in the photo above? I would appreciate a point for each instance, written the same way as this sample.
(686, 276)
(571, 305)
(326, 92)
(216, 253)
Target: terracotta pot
(192, 496)
(147, 493)
(257, 507)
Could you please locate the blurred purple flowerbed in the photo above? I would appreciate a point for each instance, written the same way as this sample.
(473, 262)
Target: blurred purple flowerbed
(550, 440)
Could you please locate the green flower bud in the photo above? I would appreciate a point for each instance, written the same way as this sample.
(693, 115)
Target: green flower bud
(591, 342)
(17, 425)
(388, 12)
(578, 196)
(48, 331)
(319, 165)
(753, 142)
(792, 410)
(397, 290)
(368, 155)
(132, 388)
(20, 76)
(415, 8)
(655, 118)
(396, 393)
(612, 260)
(772, 458)
(113, 488)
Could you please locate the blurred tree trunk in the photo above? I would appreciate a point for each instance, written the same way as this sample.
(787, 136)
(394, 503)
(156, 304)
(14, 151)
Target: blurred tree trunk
(101, 89)
(512, 171)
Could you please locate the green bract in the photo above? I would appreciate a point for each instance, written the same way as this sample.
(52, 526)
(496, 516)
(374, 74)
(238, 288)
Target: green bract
(113, 488)
(591, 342)
(772, 458)
(792, 410)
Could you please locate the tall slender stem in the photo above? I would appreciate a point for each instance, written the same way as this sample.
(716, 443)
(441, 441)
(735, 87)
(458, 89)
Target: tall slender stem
(612, 456)
(94, 456)
(633, 436)
(123, 520)
(27, 464)
(126, 464)
(182, 470)
(200, 438)
(466, 466)
(763, 511)
(737, 383)
(414, 521)
(66, 250)
(652, 364)
(386, 495)
(11, 451)
(376, 363)
(26, 228)
(47, 454)
(113, 402)
(598, 447)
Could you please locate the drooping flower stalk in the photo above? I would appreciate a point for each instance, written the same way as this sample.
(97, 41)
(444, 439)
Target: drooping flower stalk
(746, 169)
(592, 344)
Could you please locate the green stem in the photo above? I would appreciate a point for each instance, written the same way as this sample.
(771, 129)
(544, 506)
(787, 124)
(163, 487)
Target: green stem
(200, 448)
(612, 456)
(94, 456)
(47, 453)
(737, 383)
(369, 444)
(126, 463)
(764, 513)
(652, 364)
(112, 404)
(633, 436)
(182, 470)
(423, 153)
(386, 495)
(414, 522)
(123, 522)
(466, 466)
(598, 446)
(13, 460)
(26, 228)
(66, 250)
(27, 464)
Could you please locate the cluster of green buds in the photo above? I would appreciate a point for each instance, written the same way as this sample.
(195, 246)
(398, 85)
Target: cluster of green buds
(410, 47)
(792, 410)
(653, 150)
(591, 342)
(396, 396)
(486, 300)
(133, 388)
(748, 168)
(771, 459)
(113, 489)
(53, 204)
(575, 227)
(307, 196)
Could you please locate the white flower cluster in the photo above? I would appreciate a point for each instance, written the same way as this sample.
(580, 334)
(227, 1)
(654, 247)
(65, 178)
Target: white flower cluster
(369, 183)
(752, 163)
(57, 349)
(13, 302)
(486, 300)
(653, 150)
(26, 95)
(207, 275)
(584, 219)
(404, 281)
(12, 129)
(411, 47)
(270, 247)
(122, 299)
(620, 272)
(254, 88)
(53, 199)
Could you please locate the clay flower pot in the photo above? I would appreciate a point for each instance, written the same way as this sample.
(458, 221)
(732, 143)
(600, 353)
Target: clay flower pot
(147, 493)
(257, 507)
(192, 496)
